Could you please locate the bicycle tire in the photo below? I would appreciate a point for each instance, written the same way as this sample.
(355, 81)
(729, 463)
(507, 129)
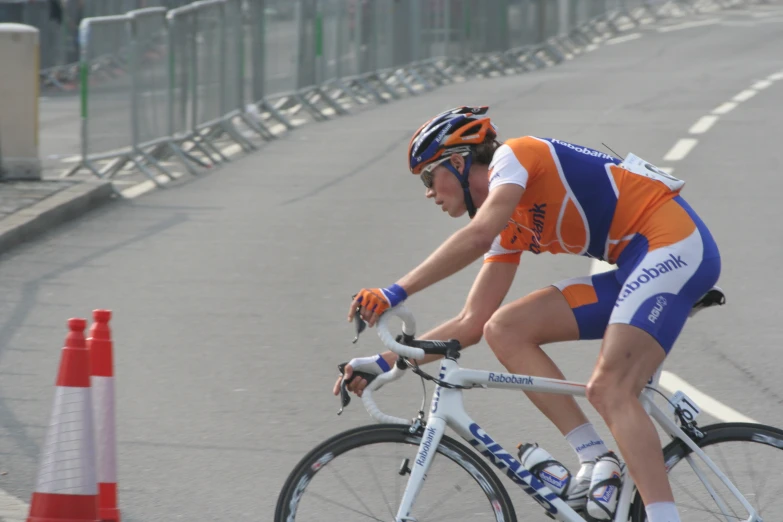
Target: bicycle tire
(295, 485)
(676, 450)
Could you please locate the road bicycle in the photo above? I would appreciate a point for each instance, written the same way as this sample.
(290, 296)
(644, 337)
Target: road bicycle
(447, 480)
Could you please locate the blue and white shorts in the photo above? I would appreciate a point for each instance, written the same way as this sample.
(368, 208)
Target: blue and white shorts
(668, 266)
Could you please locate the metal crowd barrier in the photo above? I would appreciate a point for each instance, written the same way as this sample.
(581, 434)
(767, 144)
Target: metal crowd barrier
(58, 24)
(158, 83)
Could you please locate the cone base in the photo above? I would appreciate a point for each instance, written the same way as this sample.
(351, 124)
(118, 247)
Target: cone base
(39, 519)
(107, 502)
(53, 507)
(109, 514)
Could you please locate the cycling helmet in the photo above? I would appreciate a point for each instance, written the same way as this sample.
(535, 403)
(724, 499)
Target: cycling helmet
(453, 131)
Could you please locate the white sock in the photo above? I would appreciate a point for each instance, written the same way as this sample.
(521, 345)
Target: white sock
(662, 512)
(586, 443)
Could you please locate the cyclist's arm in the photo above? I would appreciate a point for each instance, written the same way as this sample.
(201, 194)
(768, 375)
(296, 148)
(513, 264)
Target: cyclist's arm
(467, 244)
(488, 291)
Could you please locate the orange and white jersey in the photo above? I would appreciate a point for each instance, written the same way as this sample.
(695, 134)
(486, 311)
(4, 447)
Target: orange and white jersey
(576, 201)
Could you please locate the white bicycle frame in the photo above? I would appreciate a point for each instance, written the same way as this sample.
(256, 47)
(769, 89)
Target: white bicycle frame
(447, 409)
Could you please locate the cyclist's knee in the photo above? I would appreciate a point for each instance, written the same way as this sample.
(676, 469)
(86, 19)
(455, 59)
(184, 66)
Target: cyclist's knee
(600, 393)
(608, 392)
(494, 333)
(498, 330)
(540, 318)
(628, 357)
(506, 336)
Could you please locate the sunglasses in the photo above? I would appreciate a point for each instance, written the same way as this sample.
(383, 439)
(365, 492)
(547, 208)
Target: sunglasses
(427, 173)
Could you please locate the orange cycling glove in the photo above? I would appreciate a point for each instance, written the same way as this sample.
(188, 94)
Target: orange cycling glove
(379, 300)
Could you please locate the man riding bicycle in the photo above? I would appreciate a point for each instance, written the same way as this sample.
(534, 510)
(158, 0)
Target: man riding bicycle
(546, 195)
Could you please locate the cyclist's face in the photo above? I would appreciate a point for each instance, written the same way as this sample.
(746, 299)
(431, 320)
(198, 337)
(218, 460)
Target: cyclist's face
(447, 192)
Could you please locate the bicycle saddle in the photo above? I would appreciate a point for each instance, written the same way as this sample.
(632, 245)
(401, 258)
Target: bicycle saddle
(713, 297)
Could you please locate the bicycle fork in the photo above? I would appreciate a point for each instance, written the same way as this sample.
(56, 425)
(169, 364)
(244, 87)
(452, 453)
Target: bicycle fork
(418, 473)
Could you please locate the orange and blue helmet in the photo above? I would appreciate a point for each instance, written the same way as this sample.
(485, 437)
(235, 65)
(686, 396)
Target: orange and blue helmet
(457, 130)
(454, 130)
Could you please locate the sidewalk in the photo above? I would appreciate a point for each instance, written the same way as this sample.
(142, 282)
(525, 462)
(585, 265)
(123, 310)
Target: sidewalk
(12, 509)
(29, 208)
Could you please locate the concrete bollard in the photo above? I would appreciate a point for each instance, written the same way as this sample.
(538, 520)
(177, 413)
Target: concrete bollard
(19, 59)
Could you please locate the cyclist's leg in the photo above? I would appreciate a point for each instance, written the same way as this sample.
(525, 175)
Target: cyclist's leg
(629, 356)
(673, 265)
(567, 311)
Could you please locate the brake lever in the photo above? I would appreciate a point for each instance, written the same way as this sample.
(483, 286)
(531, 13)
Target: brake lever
(345, 397)
(360, 325)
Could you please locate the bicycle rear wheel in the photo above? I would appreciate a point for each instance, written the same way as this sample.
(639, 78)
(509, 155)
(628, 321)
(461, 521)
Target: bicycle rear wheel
(356, 475)
(748, 454)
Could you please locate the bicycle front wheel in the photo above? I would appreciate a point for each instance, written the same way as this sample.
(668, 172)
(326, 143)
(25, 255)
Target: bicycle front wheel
(748, 454)
(361, 475)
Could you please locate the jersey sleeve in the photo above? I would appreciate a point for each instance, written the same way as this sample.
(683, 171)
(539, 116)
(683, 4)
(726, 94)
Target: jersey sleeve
(506, 168)
(498, 254)
(516, 161)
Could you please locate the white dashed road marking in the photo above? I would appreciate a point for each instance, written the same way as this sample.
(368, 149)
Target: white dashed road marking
(703, 125)
(672, 383)
(680, 149)
(725, 108)
(745, 95)
(763, 84)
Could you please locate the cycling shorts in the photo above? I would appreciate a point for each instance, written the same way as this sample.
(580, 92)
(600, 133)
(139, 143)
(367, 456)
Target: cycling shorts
(663, 271)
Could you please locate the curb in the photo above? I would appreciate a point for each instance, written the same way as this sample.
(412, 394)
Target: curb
(63, 206)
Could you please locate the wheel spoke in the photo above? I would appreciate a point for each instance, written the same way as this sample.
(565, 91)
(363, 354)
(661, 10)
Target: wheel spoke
(753, 476)
(362, 466)
(733, 448)
(727, 470)
(701, 505)
(382, 490)
(352, 491)
(352, 510)
(442, 500)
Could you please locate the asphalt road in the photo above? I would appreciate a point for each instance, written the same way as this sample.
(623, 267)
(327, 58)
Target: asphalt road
(230, 291)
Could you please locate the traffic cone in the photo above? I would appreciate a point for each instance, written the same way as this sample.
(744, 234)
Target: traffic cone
(66, 490)
(100, 346)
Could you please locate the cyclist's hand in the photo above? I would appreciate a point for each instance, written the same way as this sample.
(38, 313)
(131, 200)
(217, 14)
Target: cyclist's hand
(366, 368)
(374, 301)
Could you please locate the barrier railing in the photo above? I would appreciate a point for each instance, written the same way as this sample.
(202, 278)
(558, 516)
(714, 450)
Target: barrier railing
(58, 25)
(158, 83)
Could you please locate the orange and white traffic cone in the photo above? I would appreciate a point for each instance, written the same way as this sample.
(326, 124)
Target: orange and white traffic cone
(100, 346)
(66, 490)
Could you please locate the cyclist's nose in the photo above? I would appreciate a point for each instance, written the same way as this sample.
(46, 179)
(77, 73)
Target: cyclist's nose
(430, 193)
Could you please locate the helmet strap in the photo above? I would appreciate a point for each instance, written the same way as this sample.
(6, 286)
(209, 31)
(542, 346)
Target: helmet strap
(463, 180)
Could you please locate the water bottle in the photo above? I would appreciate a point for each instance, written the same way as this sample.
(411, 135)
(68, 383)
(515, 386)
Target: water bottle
(541, 464)
(604, 487)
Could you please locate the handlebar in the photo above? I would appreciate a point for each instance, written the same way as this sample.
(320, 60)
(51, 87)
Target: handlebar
(408, 329)
(369, 404)
(409, 332)
(413, 349)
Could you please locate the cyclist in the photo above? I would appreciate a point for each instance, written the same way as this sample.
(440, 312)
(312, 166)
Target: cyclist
(547, 195)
